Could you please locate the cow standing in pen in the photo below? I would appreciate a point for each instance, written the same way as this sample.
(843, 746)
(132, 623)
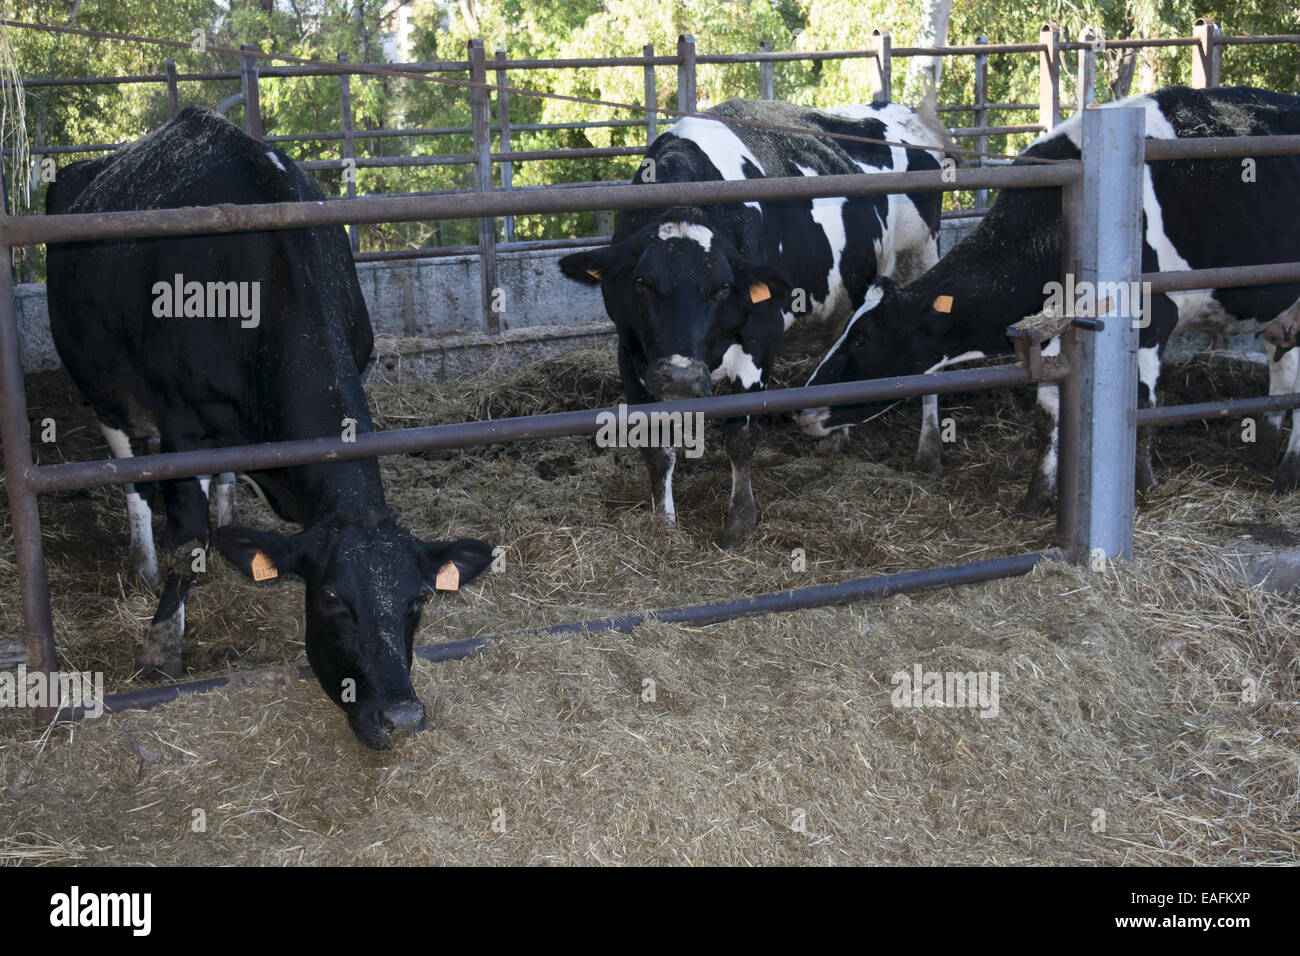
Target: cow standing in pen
(1197, 214)
(242, 338)
(703, 297)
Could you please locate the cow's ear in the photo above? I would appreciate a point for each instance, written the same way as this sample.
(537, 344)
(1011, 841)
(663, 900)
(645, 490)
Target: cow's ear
(260, 555)
(591, 266)
(759, 284)
(446, 565)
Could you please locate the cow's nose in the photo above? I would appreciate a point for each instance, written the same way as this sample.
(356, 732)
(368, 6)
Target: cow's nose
(401, 718)
(679, 377)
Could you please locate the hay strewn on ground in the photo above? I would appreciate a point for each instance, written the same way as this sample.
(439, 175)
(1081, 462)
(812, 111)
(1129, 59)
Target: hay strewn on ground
(1120, 691)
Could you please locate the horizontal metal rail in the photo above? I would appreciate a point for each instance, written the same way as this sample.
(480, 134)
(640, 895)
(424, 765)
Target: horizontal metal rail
(1228, 408)
(819, 595)
(199, 220)
(1275, 273)
(403, 441)
(1221, 147)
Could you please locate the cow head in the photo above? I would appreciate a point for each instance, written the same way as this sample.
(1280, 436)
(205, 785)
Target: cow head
(366, 580)
(895, 332)
(681, 295)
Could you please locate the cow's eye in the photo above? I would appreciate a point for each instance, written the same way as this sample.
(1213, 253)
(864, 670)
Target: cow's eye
(330, 601)
(722, 291)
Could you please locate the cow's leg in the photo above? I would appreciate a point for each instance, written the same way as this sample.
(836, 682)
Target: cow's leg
(1047, 419)
(1284, 377)
(929, 451)
(659, 464)
(1151, 347)
(144, 559)
(223, 493)
(187, 529)
(740, 435)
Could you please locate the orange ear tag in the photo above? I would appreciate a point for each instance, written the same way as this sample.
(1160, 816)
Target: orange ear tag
(943, 304)
(759, 292)
(448, 578)
(594, 273)
(263, 569)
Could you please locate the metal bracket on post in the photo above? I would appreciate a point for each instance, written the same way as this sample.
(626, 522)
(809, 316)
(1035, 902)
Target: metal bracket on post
(481, 124)
(686, 73)
(651, 96)
(766, 74)
(1110, 259)
(173, 93)
(1049, 76)
(881, 68)
(1206, 54)
(349, 148)
(249, 71)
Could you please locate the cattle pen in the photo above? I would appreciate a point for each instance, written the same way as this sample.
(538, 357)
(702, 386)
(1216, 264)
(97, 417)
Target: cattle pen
(1101, 204)
(1097, 438)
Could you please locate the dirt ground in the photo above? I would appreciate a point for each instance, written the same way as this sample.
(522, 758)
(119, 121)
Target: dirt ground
(1122, 732)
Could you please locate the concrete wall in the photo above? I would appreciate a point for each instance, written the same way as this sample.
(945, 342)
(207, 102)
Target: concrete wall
(428, 318)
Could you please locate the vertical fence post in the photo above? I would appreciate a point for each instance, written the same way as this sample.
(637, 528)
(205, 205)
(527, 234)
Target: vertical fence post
(1205, 54)
(252, 105)
(1067, 439)
(881, 68)
(686, 73)
(480, 123)
(503, 121)
(766, 74)
(1111, 259)
(981, 114)
(173, 92)
(651, 96)
(349, 147)
(1087, 72)
(24, 511)
(1049, 76)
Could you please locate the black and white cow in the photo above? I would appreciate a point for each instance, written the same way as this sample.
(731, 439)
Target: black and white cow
(703, 297)
(1196, 214)
(235, 339)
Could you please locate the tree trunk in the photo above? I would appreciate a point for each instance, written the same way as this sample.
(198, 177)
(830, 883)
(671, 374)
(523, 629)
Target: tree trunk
(923, 71)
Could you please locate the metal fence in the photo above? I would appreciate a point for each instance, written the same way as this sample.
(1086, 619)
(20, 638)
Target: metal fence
(490, 78)
(1101, 242)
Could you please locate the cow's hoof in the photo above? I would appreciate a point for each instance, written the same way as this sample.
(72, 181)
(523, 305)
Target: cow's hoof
(739, 524)
(930, 462)
(834, 443)
(161, 653)
(1031, 508)
(1287, 477)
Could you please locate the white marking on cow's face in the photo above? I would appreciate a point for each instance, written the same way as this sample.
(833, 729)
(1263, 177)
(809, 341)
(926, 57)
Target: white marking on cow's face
(737, 365)
(681, 361)
(722, 147)
(687, 230)
(945, 361)
(872, 299)
(276, 159)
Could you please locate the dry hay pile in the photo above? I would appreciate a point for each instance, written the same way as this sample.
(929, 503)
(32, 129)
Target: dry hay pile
(1119, 692)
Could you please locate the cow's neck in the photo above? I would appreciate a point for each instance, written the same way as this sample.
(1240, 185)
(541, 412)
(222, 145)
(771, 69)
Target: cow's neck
(332, 394)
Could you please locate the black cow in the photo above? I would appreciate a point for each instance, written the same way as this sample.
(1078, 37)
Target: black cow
(1196, 215)
(235, 339)
(704, 296)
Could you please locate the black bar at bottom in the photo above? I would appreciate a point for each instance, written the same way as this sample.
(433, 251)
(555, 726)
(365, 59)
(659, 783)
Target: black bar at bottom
(818, 595)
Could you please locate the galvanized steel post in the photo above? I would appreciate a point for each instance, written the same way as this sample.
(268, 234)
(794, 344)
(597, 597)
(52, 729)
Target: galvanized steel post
(881, 68)
(1111, 259)
(686, 73)
(481, 122)
(651, 96)
(349, 148)
(766, 74)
